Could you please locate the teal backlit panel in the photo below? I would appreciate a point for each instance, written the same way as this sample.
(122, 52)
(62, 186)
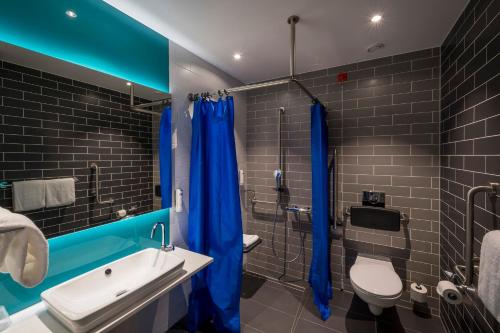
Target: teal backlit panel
(79, 252)
(100, 37)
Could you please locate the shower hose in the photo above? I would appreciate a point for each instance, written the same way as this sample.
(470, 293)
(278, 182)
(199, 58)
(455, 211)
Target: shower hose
(302, 235)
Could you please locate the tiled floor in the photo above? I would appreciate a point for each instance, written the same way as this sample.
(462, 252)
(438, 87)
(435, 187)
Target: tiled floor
(271, 307)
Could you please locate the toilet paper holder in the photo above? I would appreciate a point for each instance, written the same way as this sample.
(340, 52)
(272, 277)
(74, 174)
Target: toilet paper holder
(458, 278)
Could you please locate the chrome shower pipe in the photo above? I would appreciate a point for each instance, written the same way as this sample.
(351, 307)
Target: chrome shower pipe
(492, 189)
(95, 167)
(281, 110)
(292, 20)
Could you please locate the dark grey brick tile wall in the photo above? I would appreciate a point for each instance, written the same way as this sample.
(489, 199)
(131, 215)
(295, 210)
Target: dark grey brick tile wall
(470, 145)
(52, 127)
(384, 124)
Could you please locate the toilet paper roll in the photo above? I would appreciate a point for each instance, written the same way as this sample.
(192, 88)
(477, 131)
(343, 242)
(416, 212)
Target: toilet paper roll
(418, 292)
(121, 213)
(449, 292)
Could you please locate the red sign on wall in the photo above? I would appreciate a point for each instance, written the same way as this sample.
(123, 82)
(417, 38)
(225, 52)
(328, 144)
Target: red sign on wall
(341, 77)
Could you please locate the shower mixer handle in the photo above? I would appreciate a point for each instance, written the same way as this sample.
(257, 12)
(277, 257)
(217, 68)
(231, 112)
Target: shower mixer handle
(297, 209)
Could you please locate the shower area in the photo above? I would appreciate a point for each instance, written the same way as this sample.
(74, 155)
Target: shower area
(277, 192)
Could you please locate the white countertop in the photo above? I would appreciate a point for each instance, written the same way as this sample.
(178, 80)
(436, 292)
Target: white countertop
(38, 319)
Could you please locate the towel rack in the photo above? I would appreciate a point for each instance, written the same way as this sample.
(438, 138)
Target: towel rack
(466, 273)
(5, 184)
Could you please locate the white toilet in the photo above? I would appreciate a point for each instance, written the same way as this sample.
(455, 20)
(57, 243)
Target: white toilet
(376, 283)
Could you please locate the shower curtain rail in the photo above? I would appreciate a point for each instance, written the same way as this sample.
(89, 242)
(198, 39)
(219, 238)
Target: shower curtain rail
(292, 20)
(143, 107)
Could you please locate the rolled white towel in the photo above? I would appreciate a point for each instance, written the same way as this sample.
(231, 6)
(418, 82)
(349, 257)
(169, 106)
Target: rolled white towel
(23, 249)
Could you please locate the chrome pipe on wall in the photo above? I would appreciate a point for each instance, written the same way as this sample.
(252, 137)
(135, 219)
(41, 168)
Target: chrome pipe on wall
(492, 189)
(292, 20)
(94, 167)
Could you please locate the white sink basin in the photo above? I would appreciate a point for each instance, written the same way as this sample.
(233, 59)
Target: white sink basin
(94, 297)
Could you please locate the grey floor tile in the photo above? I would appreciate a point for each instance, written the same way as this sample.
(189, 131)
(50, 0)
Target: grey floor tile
(411, 320)
(283, 299)
(304, 326)
(264, 318)
(249, 329)
(392, 327)
(341, 320)
(250, 284)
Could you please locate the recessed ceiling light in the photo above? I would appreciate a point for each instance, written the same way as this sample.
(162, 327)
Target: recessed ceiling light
(129, 84)
(237, 56)
(376, 18)
(71, 13)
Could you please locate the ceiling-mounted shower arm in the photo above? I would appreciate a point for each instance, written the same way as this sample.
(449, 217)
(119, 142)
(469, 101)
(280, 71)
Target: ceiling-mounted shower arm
(142, 107)
(292, 20)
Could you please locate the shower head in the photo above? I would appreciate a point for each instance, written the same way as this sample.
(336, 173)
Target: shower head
(277, 177)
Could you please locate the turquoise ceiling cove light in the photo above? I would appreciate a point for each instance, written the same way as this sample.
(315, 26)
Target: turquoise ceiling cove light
(89, 33)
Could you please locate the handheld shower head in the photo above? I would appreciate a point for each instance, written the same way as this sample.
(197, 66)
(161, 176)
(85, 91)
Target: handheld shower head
(277, 177)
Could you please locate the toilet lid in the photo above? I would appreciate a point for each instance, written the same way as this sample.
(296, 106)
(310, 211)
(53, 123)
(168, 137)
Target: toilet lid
(376, 279)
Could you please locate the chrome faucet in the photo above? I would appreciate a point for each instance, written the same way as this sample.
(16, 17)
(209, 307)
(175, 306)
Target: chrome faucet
(163, 247)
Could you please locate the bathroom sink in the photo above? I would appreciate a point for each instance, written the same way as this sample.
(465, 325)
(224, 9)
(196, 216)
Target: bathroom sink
(91, 298)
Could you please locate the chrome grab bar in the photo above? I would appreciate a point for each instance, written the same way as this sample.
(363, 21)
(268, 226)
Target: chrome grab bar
(291, 208)
(467, 276)
(97, 196)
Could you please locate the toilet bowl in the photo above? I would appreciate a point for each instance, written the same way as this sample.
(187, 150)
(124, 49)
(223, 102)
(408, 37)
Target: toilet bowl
(376, 283)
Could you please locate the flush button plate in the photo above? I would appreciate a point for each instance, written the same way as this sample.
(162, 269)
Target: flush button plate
(375, 199)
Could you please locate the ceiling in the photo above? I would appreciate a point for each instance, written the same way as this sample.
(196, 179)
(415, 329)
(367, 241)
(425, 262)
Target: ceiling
(330, 32)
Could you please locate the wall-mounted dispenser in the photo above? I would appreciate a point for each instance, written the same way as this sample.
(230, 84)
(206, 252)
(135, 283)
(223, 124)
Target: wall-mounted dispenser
(178, 200)
(241, 177)
(375, 199)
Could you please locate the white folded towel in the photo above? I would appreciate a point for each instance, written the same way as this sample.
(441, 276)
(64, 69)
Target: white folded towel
(59, 192)
(28, 195)
(249, 240)
(23, 252)
(489, 273)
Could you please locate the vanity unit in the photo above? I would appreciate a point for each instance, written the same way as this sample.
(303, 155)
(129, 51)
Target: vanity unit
(179, 263)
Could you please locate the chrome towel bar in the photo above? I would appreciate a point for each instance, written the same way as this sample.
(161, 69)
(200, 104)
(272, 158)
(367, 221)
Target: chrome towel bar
(5, 184)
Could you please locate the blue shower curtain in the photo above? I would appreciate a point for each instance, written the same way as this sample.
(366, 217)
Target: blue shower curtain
(215, 226)
(319, 275)
(166, 157)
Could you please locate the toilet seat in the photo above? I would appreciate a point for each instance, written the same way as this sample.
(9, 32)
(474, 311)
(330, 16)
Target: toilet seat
(377, 280)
